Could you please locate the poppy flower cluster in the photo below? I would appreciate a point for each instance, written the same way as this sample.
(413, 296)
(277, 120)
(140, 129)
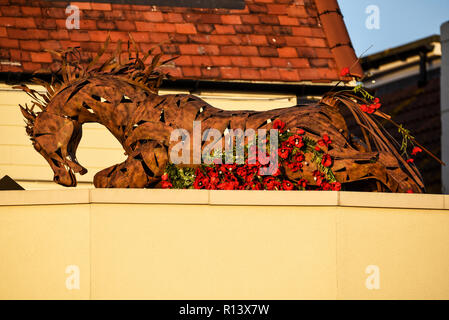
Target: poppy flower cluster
(165, 184)
(239, 177)
(279, 125)
(292, 150)
(324, 142)
(371, 108)
(323, 183)
(415, 151)
(292, 155)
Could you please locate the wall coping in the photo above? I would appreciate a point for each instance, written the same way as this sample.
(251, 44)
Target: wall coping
(221, 197)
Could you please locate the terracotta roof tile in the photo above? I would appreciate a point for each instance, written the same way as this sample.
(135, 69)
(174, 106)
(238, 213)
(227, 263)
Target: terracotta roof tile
(269, 40)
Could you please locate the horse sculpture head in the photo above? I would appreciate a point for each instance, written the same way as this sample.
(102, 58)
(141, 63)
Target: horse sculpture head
(56, 138)
(56, 129)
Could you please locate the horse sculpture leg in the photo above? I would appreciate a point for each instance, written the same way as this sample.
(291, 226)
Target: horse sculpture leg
(103, 178)
(383, 169)
(128, 174)
(143, 168)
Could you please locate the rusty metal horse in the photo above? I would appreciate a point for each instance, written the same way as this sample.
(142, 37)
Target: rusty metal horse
(124, 98)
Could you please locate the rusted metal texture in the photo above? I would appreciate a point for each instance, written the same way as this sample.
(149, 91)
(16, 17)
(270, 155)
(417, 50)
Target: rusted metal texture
(123, 97)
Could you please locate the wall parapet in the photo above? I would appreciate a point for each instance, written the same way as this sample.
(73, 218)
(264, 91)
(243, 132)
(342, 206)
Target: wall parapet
(225, 197)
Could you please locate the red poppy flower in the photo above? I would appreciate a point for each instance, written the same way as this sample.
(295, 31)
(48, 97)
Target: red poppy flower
(317, 148)
(411, 160)
(365, 108)
(302, 183)
(326, 161)
(271, 184)
(227, 185)
(287, 144)
(344, 72)
(284, 152)
(296, 140)
(299, 157)
(294, 166)
(213, 182)
(326, 186)
(372, 107)
(166, 185)
(287, 185)
(228, 167)
(212, 172)
(368, 108)
(376, 103)
(201, 182)
(376, 106)
(278, 124)
(318, 177)
(416, 150)
(164, 177)
(327, 139)
(336, 186)
(242, 171)
(249, 178)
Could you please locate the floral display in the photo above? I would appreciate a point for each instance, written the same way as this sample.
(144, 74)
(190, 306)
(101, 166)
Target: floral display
(294, 150)
(292, 156)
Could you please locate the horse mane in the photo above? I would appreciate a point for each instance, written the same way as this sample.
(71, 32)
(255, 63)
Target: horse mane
(133, 68)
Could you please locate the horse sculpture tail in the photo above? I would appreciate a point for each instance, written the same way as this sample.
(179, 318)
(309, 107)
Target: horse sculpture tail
(401, 175)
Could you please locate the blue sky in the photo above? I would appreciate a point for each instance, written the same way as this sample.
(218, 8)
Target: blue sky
(400, 22)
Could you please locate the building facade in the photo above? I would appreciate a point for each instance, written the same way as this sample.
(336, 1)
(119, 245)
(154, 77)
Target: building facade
(254, 55)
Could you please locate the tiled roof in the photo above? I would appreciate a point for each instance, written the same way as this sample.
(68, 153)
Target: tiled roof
(269, 40)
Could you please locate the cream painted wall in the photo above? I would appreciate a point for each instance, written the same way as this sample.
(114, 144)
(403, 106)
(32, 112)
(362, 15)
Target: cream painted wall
(98, 149)
(195, 244)
(38, 243)
(220, 252)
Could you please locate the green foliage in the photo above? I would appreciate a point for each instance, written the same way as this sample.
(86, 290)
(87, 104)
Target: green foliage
(361, 90)
(317, 158)
(181, 178)
(406, 137)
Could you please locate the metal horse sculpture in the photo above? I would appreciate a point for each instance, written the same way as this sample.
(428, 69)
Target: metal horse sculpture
(124, 98)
